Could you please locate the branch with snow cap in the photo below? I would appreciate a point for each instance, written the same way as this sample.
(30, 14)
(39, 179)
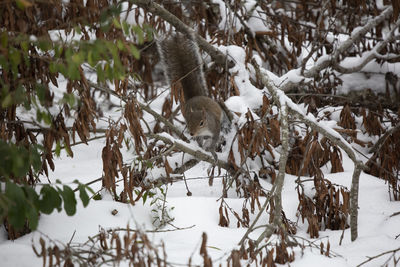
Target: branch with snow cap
(197, 154)
(283, 101)
(370, 55)
(333, 60)
(345, 46)
(151, 6)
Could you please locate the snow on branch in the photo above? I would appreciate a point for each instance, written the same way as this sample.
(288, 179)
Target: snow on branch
(200, 155)
(158, 10)
(283, 101)
(356, 36)
(368, 56)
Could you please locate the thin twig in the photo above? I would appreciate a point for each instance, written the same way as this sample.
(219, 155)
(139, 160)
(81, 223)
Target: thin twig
(196, 153)
(142, 106)
(379, 255)
(151, 6)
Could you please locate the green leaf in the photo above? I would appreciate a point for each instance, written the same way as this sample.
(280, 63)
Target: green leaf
(90, 59)
(97, 197)
(83, 195)
(73, 71)
(125, 27)
(58, 149)
(69, 200)
(32, 196)
(25, 46)
(45, 45)
(77, 58)
(100, 73)
(41, 92)
(16, 211)
(139, 34)
(22, 4)
(50, 199)
(7, 101)
(144, 197)
(69, 99)
(120, 45)
(78, 30)
(4, 63)
(116, 23)
(39, 115)
(58, 51)
(53, 67)
(35, 158)
(46, 117)
(135, 52)
(33, 217)
(4, 39)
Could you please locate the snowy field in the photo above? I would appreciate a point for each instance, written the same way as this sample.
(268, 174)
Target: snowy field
(378, 217)
(199, 213)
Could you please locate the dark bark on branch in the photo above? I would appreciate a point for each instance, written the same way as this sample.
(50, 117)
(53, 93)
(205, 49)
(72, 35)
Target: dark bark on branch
(358, 165)
(144, 107)
(218, 57)
(197, 153)
(345, 46)
(277, 195)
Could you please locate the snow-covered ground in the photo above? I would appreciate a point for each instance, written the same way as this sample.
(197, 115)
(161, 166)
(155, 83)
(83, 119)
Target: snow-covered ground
(378, 231)
(199, 213)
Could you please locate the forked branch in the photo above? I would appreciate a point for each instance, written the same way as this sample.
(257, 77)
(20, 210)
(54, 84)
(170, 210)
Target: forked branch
(154, 8)
(280, 97)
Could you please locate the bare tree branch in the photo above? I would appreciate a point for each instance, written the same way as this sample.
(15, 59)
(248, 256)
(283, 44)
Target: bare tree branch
(151, 6)
(144, 107)
(374, 53)
(345, 46)
(280, 97)
(196, 153)
(379, 255)
(277, 195)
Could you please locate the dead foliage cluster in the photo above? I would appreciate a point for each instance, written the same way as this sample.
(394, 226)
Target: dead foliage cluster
(113, 247)
(298, 23)
(385, 161)
(328, 208)
(23, 22)
(243, 220)
(308, 155)
(278, 252)
(106, 248)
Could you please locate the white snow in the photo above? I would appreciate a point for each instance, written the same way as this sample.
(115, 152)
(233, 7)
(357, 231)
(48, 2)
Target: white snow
(377, 230)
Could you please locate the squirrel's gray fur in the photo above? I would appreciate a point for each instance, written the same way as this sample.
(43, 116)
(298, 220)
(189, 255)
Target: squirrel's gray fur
(182, 62)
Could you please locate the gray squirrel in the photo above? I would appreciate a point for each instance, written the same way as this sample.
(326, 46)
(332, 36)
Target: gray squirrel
(182, 62)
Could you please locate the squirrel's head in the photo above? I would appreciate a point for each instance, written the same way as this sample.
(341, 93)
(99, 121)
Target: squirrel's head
(197, 123)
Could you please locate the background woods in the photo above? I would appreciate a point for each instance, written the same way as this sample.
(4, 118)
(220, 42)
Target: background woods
(312, 89)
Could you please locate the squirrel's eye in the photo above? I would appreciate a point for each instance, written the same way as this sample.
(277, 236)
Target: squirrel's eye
(201, 123)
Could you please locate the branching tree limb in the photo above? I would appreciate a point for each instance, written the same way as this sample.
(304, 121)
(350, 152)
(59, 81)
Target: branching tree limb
(345, 46)
(151, 6)
(279, 98)
(195, 153)
(393, 251)
(277, 195)
(354, 38)
(374, 53)
(146, 108)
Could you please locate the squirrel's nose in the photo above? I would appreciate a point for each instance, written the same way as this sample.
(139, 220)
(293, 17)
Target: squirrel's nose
(191, 134)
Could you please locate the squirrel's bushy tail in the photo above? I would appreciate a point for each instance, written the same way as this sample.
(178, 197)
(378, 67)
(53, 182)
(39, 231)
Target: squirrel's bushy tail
(182, 63)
